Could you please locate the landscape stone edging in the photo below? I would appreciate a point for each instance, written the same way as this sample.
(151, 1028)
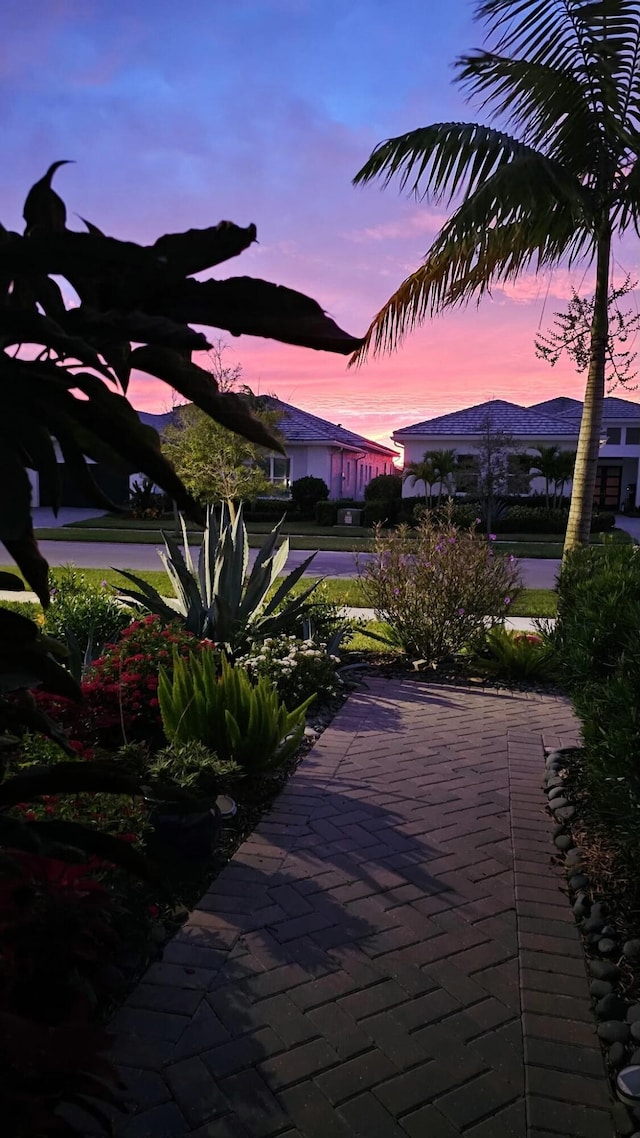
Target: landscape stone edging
(618, 1019)
(565, 1078)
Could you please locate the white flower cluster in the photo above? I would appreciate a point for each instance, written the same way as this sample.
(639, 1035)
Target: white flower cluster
(298, 668)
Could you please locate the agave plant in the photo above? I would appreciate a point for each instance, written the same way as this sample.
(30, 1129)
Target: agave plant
(218, 601)
(243, 723)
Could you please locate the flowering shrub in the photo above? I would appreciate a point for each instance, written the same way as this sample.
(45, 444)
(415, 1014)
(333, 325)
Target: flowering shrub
(56, 935)
(298, 668)
(120, 702)
(437, 586)
(124, 816)
(88, 612)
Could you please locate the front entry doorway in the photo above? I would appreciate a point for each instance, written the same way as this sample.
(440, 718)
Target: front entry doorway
(608, 487)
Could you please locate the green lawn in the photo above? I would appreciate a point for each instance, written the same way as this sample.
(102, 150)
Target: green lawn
(115, 522)
(340, 544)
(342, 590)
(303, 536)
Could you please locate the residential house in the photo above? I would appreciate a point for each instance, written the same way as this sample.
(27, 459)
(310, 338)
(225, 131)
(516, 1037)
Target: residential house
(343, 459)
(553, 422)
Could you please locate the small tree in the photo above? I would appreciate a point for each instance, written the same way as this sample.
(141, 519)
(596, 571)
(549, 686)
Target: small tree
(444, 464)
(422, 471)
(494, 451)
(306, 491)
(570, 333)
(543, 462)
(215, 464)
(562, 473)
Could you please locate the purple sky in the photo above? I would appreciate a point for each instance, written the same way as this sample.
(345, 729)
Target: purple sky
(181, 114)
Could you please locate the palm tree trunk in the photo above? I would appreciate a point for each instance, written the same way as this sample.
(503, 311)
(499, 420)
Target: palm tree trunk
(584, 475)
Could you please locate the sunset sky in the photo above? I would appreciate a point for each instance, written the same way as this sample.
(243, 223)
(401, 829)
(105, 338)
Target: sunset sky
(181, 114)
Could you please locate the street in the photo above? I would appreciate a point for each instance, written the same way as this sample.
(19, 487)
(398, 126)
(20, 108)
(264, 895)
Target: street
(538, 573)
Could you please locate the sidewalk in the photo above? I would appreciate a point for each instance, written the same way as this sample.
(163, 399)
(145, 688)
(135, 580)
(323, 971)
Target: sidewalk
(390, 954)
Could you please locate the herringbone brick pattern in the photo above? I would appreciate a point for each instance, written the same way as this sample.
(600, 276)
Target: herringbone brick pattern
(355, 969)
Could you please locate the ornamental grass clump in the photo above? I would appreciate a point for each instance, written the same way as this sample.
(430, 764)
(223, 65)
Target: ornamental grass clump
(242, 723)
(519, 657)
(438, 587)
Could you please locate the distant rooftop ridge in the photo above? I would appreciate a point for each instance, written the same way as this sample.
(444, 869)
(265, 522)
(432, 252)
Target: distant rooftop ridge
(512, 418)
(296, 425)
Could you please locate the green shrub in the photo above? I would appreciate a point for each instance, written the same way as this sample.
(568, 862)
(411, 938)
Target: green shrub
(241, 723)
(600, 522)
(326, 513)
(596, 637)
(306, 492)
(378, 512)
(531, 519)
(299, 669)
(90, 614)
(384, 488)
(437, 587)
(191, 767)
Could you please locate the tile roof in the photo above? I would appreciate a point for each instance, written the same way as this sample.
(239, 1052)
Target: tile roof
(614, 408)
(297, 426)
(508, 417)
(300, 426)
(561, 405)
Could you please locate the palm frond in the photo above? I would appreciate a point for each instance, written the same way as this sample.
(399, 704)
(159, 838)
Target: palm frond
(546, 107)
(529, 211)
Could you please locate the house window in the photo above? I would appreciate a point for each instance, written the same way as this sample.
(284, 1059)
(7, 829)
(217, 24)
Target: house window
(518, 476)
(633, 436)
(277, 470)
(466, 473)
(613, 435)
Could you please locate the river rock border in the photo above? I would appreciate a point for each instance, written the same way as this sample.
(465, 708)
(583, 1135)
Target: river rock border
(617, 1017)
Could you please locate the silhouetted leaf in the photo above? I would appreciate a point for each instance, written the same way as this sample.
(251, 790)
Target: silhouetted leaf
(15, 500)
(91, 227)
(198, 249)
(137, 326)
(11, 583)
(31, 328)
(199, 386)
(247, 306)
(66, 778)
(111, 418)
(43, 207)
(24, 551)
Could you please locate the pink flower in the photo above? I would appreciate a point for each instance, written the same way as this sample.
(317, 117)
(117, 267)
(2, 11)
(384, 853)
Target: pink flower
(507, 600)
(492, 537)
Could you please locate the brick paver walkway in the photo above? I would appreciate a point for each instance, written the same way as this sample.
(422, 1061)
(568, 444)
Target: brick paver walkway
(389, 954)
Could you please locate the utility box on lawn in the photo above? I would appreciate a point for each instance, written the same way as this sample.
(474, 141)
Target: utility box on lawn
(349, 517)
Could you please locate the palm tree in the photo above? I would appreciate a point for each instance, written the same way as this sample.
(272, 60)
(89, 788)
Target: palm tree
(543, 462)
(444, 464)
(422, 471)
(562, 473)
(564, 77)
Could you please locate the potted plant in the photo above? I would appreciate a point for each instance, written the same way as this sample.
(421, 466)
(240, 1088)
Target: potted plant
(183, 786)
